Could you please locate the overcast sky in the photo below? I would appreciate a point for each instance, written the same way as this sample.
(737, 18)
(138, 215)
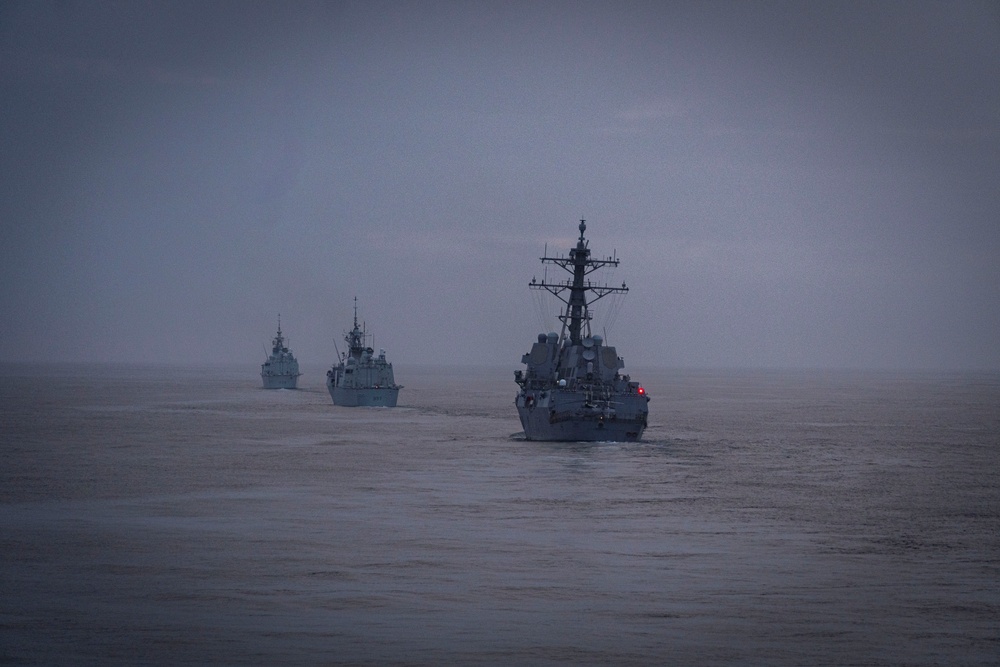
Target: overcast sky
(787, 184)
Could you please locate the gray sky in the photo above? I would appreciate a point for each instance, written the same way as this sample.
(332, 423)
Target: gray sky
(787, 184)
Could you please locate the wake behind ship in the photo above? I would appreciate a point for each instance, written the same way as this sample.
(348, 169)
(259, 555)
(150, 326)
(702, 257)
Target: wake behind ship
(572, 389)
(280, 370)
(360, 378)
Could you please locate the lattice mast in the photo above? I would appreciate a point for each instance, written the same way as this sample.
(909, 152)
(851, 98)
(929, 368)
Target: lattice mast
(577, 314)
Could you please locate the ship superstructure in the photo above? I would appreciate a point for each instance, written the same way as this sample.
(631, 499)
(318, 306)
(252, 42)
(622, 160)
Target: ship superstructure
(361, 378)
(280, 370)
(572, 388)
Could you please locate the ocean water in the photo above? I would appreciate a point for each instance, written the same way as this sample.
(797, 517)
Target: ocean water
(185, 516)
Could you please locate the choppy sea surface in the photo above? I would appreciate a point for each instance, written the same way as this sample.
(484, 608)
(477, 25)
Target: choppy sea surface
(161, 515)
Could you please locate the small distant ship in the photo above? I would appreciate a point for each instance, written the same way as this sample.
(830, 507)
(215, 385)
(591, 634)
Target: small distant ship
(571, 389)
(360, 378)
(281, 370)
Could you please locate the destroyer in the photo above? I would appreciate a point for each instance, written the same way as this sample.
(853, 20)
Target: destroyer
(361, 378)
(281, 370)
(572, 388)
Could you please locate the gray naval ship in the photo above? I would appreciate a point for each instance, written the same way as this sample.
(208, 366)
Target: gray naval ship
(281, 370)
(572, 388)
(361, 378)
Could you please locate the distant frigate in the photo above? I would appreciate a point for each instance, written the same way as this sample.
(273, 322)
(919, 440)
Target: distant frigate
(361, 378)
(572, 389)
(281, 370)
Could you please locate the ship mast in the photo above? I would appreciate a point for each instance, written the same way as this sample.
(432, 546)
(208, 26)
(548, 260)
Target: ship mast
(279, 342)
(356, 337)
(580, 265)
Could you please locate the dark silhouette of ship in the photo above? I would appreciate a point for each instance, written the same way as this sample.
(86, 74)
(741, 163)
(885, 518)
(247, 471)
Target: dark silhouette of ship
(572, 388)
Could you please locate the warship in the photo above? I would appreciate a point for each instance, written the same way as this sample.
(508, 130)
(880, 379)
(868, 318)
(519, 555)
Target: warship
(359, 377)
(572, 388)
(281, 370)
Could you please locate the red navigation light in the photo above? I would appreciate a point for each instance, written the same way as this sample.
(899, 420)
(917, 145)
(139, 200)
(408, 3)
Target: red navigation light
(641, 391)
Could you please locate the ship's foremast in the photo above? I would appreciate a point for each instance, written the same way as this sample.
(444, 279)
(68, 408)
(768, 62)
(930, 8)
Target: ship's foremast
(278, 343)
(356, 337)
(577, 314)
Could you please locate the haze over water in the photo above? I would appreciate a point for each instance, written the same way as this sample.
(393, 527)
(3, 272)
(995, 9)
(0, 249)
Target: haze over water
(172, 515)
(787, 184)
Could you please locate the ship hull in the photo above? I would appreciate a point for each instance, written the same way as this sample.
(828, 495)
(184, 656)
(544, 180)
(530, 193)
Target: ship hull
(537, 426)
(370, 397)
(280, 381)
(567, 419)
